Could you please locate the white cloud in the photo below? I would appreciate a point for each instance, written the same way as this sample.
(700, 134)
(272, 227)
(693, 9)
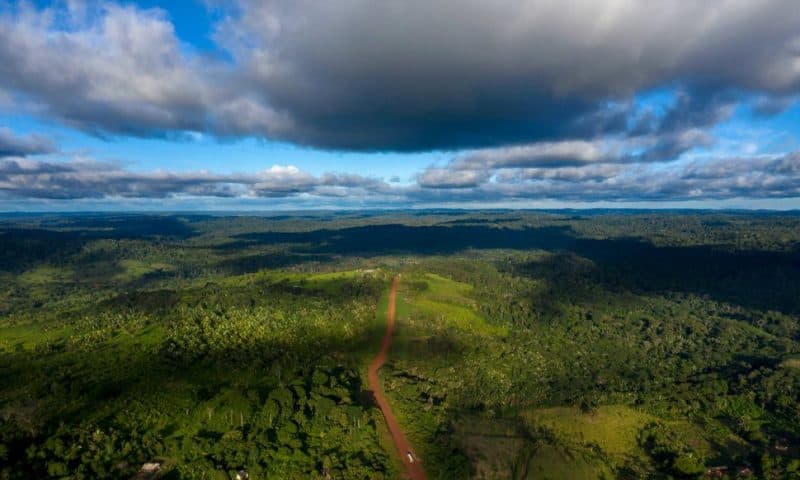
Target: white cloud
(87, 178)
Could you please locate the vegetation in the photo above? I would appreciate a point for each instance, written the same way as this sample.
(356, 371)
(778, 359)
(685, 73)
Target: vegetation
(528, 344)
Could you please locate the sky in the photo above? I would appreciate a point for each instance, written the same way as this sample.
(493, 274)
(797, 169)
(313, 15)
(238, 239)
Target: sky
(348, 104)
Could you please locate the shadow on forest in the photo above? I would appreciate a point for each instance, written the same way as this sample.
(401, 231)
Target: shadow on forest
(404, 239)
(254, 263)
(138, 391)
(77, 380)
(58, 238)
(750, 278)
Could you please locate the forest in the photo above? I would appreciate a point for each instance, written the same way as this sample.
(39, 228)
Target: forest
(598, 344)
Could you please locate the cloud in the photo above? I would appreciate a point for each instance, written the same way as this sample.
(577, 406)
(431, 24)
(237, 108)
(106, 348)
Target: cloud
(668, 147)
(364, 75)
(554, 154)
(695, 109)
(476, 167)
(569, 174)
(461, 74)
(280, 181)
(699, 179)
(451, 178)
(110, 69)
(86, 178)
(768, 105)
(754, 177)
(12, 145)
(115, 69)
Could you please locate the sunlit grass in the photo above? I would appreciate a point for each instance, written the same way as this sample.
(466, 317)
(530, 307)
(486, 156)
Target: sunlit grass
(45, 274)
(133, 269)
(614, 428)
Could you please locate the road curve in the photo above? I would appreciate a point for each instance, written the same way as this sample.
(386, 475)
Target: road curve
(413, 468)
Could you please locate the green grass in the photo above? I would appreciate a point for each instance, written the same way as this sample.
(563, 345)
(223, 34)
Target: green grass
(44, 275)
(791, 363)
(134, 269)
(27, 335)
(446, 303)
(555, 463)
(614, 428)
(430, 307)
(328, 282)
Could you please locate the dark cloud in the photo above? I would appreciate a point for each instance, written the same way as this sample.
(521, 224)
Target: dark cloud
(12, 145)
(548, 154)
(456, 74)
(365, 75)
(668, 147)
(768, 105)
(696, 109)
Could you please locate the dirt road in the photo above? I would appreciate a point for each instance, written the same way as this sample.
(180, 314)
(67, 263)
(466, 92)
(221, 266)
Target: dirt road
(413, 468)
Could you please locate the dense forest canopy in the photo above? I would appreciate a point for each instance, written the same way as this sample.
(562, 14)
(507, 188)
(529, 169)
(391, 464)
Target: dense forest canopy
(529, 344)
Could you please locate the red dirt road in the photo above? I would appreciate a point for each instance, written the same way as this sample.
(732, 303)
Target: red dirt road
(413, 469)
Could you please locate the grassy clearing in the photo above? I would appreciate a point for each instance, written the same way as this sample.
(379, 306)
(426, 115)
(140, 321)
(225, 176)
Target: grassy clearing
(447, 303)
(45, 275)
(329, 282)
(555, 463)
(29, 335)
(791, 363)
(134, 269)
(614, 428)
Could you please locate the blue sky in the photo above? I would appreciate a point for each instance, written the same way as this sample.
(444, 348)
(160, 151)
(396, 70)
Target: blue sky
(280, 105)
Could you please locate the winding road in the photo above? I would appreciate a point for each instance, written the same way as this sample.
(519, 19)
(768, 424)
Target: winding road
(410, 461)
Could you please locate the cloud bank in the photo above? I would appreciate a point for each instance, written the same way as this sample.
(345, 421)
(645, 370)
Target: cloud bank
(86, 178)
(702, 179)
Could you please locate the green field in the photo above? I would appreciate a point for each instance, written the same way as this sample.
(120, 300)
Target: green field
(613, 428)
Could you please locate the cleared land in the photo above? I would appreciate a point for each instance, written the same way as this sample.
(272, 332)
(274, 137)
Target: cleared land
(411, 463)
